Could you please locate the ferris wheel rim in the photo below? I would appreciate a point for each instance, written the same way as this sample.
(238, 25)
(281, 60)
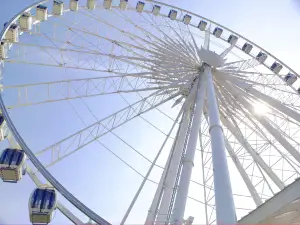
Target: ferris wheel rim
(3, 108)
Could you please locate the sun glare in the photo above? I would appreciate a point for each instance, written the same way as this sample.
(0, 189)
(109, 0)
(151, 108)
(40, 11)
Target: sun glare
(261, 109)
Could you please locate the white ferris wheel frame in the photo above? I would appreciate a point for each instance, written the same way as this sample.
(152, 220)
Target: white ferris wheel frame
(43, 170)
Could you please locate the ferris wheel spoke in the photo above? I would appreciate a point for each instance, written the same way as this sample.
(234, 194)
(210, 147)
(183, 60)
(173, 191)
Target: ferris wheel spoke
(285, 98)
(183, 43)
(82, 138)
(107, 39)
(128, 34)
(247, 73)
(270, 142)
(235, 157)
(149, 170)
(241, 64)
(94, 63)
(280, 106)
(49, 92)
(243, 174)
(233, 128)
(87, 52)
(207, 38)
(148, 34)
(263, 137)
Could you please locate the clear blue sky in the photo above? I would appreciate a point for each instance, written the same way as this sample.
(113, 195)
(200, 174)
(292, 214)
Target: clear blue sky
(272, 24)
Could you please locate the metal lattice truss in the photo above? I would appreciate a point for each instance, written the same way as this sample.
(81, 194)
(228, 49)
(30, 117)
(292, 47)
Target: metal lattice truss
(159, 60)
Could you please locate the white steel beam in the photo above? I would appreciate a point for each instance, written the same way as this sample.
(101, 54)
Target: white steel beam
(149, 171)
(188, 160)
(152, 212)
(225, 209)
(173, 169)
(73, 89)
(264, 121)
(274, 205)
(275, 103)
(257, 158)
(82, 138)
(243, 174)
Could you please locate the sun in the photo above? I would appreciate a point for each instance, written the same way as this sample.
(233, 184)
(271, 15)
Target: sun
(261, 109)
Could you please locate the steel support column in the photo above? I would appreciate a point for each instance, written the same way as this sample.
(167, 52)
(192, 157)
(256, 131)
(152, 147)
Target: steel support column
(188, 161)
(225, 209)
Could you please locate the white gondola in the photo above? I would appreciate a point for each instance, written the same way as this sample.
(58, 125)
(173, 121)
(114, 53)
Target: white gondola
(41, 13)
(218, 32)
(91, 4)
(3, 50)
(184, 90)
(12, 165)
(156, 10)
(107, 4)
(140, 6)
(74, 5)
(261, 57)
(123, 4)
(42, 204)
(58, 8)
(12, 34)
(232, 39)
(189, 221)
(172, 14)
(290, 78)
(247, 48)
(25, 21)
(276, 67)
(202, 25)
(186, 19)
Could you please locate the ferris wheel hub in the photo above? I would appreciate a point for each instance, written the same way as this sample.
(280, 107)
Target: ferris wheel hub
(211, 58)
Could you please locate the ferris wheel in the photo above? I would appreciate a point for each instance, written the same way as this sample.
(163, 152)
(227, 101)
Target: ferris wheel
(191, 121)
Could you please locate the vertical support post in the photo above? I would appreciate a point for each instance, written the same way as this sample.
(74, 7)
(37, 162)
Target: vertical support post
(188, 161)
(225, 209)
(172, 172)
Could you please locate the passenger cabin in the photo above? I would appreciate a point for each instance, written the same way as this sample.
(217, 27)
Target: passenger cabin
(107, 4)
(91, 4)
(202, 25)
(3, 50)
(185, 90)
(12, 165)
(42, 204)
(12, 34)
(247, 48)
(123, 4)
(276, 67)
(298, 90)
(189, 220)
(25, 21)
(261, 57)
(41, 13)
(74, 5)
(140, 6)
(58, 8)
(172, 14)
(218, 32)
(186, 19)
(156, 10)
(290, 78)
(232, 39)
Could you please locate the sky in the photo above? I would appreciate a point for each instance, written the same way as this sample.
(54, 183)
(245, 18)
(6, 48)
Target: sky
(93, 175)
